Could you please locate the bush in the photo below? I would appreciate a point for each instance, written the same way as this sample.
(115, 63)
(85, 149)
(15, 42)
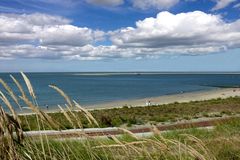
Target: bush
(117, 121)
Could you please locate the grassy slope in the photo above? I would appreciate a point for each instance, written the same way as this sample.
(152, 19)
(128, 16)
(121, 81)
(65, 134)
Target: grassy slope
(222, 142)
(151, 114)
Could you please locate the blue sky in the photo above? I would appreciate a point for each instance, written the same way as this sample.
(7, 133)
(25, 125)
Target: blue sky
(119, 35)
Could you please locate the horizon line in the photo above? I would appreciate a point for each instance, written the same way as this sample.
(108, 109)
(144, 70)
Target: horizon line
(135, 72)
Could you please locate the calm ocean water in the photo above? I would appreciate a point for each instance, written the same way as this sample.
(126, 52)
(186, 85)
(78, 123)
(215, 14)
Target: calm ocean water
(98, 88)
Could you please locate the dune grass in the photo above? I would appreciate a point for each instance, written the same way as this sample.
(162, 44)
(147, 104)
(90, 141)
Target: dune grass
(186, 145)
(129, 116)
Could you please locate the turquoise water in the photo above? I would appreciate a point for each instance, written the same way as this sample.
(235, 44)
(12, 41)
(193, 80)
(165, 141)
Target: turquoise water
(96, 88)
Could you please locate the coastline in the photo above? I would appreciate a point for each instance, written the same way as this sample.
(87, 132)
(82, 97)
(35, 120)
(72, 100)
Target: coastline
(166, 99)
(159, 100)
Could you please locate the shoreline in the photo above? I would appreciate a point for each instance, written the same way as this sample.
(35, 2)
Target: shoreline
(159, 100)
(167, 99)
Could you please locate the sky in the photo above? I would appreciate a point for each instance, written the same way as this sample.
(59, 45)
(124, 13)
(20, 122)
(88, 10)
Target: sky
(119, 35)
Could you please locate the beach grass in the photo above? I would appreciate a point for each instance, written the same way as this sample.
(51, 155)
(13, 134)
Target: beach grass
(190, 144)
(133, 116)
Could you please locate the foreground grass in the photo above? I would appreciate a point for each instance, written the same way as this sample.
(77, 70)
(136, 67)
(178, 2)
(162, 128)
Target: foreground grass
(223, 143)
(128, 116)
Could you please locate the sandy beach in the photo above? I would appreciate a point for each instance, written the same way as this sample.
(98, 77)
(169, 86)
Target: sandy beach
(183, 97)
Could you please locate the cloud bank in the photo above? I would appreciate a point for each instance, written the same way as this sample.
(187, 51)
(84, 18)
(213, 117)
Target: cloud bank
(53, 37)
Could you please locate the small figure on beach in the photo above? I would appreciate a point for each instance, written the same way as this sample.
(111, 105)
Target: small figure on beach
(46, 106)
(148, 103)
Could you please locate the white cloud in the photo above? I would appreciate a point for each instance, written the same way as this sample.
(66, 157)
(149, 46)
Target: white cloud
(157, 4)
(42, 36)
(22, 28)
(44, 29)
(192, 32)
(66, 35)
(222, 4)
(27, 25)
(106, 3)
(53, 37)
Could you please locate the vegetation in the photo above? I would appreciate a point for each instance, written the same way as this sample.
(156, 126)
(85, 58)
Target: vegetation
(128, 116)
(220, 143)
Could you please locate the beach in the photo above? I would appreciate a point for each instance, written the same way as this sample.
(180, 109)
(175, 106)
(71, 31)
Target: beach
(181, 97)
(159, 100)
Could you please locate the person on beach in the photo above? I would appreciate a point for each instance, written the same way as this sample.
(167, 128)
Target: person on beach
(148, 102)
(46, 106)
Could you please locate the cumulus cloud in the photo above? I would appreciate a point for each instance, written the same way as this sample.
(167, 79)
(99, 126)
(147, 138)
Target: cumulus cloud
(222, 4)
(157, 4)
(105, 3)
(67, 35)
(52, 37)
(25, 28)
(44, 29)
(12, 25)
(42, 36)
(192, 32)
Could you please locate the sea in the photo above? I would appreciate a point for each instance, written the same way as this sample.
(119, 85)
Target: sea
(103, 87)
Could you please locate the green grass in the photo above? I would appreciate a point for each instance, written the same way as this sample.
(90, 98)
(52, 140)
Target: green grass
(151, 114)
(222, 142)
